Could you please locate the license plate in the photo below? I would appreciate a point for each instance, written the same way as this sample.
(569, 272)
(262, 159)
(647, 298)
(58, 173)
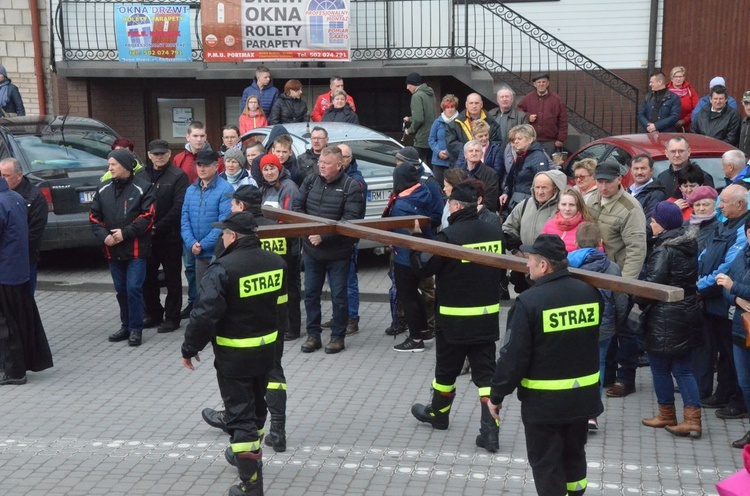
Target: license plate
(86, 196)
(378, 195)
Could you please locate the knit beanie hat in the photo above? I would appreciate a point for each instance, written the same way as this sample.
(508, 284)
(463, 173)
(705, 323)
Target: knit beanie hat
(414, 79)
(668, 215)
(717, 81)
(703, 193)
(408, 154)
(125, 157)
(236, 155)
(270, 158)
(404, 177)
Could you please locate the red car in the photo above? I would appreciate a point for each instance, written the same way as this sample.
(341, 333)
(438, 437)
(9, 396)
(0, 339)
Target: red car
(704, 151)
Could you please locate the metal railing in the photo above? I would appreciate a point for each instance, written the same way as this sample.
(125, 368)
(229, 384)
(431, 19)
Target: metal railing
(488, 35)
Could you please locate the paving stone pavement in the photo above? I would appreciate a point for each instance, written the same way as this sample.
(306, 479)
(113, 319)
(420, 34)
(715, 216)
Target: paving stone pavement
(111, 419)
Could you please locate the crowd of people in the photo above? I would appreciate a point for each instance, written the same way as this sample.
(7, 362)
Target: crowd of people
(493, 187)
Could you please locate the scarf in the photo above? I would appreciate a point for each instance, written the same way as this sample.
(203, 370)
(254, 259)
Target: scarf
(566, 225)
(447, 119)
(696, 220)
(680, 92)
(4, 93)
(233, 178)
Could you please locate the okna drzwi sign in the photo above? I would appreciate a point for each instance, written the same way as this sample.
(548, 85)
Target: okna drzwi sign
(236, 30)
(153, 33)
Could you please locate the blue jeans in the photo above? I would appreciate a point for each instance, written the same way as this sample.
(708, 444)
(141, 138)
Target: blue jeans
(128, 277)
(742, 364)
(603, 348)
(315, 276)
(189, 260)
(663, 368)
(353, 287)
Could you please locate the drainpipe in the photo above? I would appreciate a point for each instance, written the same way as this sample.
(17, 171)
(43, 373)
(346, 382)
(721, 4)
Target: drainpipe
(652, 28)
(38, 68)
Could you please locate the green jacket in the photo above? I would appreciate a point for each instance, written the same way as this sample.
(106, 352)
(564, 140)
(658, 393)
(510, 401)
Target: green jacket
(423, 114)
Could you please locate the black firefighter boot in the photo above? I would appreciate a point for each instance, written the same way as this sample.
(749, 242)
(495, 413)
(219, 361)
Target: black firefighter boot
(276, 437)
(438, 412)
(249, 466)
(488, 429)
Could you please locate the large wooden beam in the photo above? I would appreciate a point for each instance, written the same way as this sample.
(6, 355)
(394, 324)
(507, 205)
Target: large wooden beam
(372, 229)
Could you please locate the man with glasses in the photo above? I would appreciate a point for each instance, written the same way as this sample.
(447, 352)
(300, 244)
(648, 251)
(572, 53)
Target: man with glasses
(678, 154)
(169, 184)
(308, 161)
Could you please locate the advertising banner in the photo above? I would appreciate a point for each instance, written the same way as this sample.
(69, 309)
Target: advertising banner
(247, 30)
(153, 33)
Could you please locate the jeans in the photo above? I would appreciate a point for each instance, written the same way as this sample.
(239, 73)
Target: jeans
(663, 368)
(603, 347)
(742, 364)
(353, 287)
(128, 277)
(625, 346)
(189, 260)
(315, 276)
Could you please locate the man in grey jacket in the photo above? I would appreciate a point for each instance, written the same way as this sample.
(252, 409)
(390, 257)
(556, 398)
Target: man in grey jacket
(423, 113)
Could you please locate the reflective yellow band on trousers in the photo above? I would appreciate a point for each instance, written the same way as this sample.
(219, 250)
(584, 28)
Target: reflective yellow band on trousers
(276, 245)
(484, 391)
(264, 282)
(572, 317)
(577, 485)
(561, 384)
(242, 447)
(490, 246)
(247, 342)
(282, 299)
(277, 385)
(443, 388)
(261, 431)
(469, 311)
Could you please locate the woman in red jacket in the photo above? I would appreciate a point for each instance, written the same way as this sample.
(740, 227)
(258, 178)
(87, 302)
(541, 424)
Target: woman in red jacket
(687, 94)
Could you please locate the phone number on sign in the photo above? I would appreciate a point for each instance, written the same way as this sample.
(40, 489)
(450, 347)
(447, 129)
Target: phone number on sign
(322, 55)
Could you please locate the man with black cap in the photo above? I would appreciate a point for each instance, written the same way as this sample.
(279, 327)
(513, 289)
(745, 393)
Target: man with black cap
(122, 215)
(206, 202)
(169, 184)
(467, 312)
(459, 132)
(547, 114)
(551, 354)
(239, 311)
(423, 114)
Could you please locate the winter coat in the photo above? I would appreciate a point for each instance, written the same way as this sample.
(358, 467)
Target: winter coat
(458, 133)
(244, 179)
(493, 159)
(423, 113)
(668, 112)
(290, 164)
(203, 207)
(739, 272)
(528, 218)
(744, 143)
(307, 164)
(436, 140)
(168, 189)
(37, 215)
(688, 100)
(507, 121)
(672, 328)
(706, 230)
(615, 311)
(488, 176)
(353, 172)
(623, 226)
(649, 196)
(287, 109)
(525, 168)
(668, 179)
(248, 123)
(126, 204)
(724, 125)
(323, 102)
(344, 114)
(416, 200)
(706, 100)
(14, 236)
(565, 228)
(551, 122)
(14, 105)
(266, 96)
(339, 199)
(185, 160)
(282, 193)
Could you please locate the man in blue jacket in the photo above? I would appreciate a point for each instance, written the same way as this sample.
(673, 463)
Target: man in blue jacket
(661, 108)
(263, 88)
(206, 202)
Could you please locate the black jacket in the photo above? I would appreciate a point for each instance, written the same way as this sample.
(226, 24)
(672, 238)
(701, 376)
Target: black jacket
(37, 215)
(456, 134)
(287, 109)
(15, 102)
(128, 205)
(168, 189)
(340, 199)
(307, 164)
(724, 125)
(345, 114)
(466, 294)
(488, 176)
(552, 352)
(744, 143)
(673, 328)
(649, 196)
(239, 310)
(668, 179)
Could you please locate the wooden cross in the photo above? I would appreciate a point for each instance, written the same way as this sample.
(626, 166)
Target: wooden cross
(297, 224)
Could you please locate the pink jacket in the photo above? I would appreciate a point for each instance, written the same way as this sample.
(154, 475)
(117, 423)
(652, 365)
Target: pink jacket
(565, 228)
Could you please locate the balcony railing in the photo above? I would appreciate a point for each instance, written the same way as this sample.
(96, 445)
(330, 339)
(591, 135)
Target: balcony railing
(488, 35)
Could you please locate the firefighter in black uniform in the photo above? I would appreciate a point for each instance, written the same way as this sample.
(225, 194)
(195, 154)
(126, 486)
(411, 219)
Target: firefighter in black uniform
(552, 356)
(248, 199)
(238, 310)
(467, 308)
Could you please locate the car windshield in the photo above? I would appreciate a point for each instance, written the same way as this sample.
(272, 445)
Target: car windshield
(75, 149)
(375, 158)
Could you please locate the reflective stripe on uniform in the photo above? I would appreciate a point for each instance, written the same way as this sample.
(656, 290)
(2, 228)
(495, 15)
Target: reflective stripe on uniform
(261, 431)
(282, 299)
(572, 317)
(469, 311)
(561, 384)
(243, 447)
(442, 387)
(577, 485)
(277, 385)
(247, 342)
(484, 391)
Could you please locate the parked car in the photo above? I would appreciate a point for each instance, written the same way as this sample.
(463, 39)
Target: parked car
(65, 157)
(704, 151)
(375, 154)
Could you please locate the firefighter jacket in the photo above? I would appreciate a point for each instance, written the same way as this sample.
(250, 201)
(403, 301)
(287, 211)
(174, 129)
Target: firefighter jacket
(467, 295)
(238, 310)
(126, 204)
(552, 351)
